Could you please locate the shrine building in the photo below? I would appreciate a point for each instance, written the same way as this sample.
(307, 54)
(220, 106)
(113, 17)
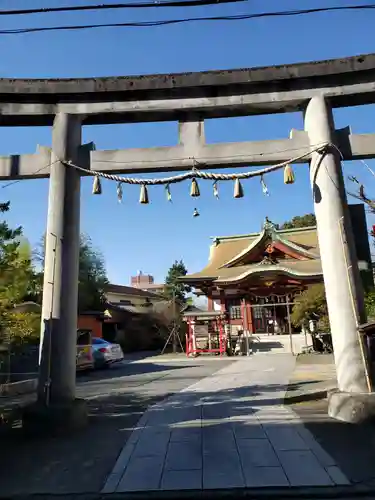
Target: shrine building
(255, 278)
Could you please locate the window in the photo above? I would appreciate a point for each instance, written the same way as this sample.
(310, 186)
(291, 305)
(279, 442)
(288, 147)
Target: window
(258, 312)
(233, 306)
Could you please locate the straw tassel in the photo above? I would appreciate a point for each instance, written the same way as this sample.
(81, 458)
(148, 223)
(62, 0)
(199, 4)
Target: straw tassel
(143, 197)
(288, 174)
(238, 190)
(216, 190)
(194, 189)
(168, 193)
(97, 185)
(119, 192)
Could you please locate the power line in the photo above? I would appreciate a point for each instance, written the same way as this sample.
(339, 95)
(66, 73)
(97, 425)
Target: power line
(137, 5)
(186, 20)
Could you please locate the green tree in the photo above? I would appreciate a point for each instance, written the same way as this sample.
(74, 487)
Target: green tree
(92, 280)
(370, 304)
(174, 288)
(311, 304)
(16, 284)
(300, 221)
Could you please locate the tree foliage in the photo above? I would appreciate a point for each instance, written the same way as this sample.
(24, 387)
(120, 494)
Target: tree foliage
(174, 288)
(16, 284)
(92, 278)
(361, 193)
(300, 221)
(21, 327)
(370, 304)
(21, 281)
(310, 304)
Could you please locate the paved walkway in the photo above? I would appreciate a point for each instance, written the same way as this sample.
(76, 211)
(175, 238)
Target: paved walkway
(229, 430)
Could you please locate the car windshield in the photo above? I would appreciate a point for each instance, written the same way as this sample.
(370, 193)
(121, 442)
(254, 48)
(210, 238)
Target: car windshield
(97, 341)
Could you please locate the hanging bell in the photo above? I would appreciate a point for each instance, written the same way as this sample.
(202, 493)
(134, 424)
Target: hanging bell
(168, 193)
(216, 190)
(288, 174)
(196, 213)
(194, 189)
(238, 190)
(119, 192)
(143, 197)
(96, 185)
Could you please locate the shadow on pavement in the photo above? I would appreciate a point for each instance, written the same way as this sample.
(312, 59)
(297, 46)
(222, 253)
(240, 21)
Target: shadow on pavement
(266, 346)
(81, 462)
(124, 370)
(76, 463)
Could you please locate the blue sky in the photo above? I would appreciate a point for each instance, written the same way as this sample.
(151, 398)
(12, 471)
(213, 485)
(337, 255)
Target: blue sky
(150, 237)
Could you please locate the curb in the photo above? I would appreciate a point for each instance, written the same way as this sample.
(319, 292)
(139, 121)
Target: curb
(18, 388)
(302, 398)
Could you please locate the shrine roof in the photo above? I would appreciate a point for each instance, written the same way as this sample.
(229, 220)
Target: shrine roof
(228, 252)
(298, 268)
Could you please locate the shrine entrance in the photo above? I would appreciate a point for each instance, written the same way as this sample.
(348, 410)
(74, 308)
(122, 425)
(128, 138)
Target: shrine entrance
(272, 314)
(191, 99)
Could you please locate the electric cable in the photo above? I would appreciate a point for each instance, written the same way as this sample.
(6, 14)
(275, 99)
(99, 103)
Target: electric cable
(131, 5)
(185, 20)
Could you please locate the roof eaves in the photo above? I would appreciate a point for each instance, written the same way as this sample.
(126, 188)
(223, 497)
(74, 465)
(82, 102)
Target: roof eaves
(234, 260)
(297, 229)
(265, 269)
(197, 278)
(297, 248)
(235, 237)
(129, 290)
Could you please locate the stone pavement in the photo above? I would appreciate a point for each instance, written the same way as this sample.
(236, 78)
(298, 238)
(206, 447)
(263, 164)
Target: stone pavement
(79, 463)
(229, 430)
(313, 376)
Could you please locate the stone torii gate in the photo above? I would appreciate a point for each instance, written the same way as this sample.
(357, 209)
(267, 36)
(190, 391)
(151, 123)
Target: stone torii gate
(311, 88)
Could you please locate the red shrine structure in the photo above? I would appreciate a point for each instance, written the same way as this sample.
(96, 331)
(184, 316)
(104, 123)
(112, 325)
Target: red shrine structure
(253, 279)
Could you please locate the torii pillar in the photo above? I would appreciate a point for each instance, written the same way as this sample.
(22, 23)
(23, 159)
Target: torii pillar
(57, 406)
(353, 401)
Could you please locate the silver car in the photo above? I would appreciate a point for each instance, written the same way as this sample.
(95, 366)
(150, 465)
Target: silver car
(105, 353)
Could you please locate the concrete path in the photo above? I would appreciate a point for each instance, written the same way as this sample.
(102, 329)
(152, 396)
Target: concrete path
(80, 462)
(229, 430)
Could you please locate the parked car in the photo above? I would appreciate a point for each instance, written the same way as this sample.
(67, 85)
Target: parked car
(105, 353)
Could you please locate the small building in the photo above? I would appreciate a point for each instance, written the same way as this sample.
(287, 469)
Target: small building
(255, 278)
(131, 296)
(146, 282)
